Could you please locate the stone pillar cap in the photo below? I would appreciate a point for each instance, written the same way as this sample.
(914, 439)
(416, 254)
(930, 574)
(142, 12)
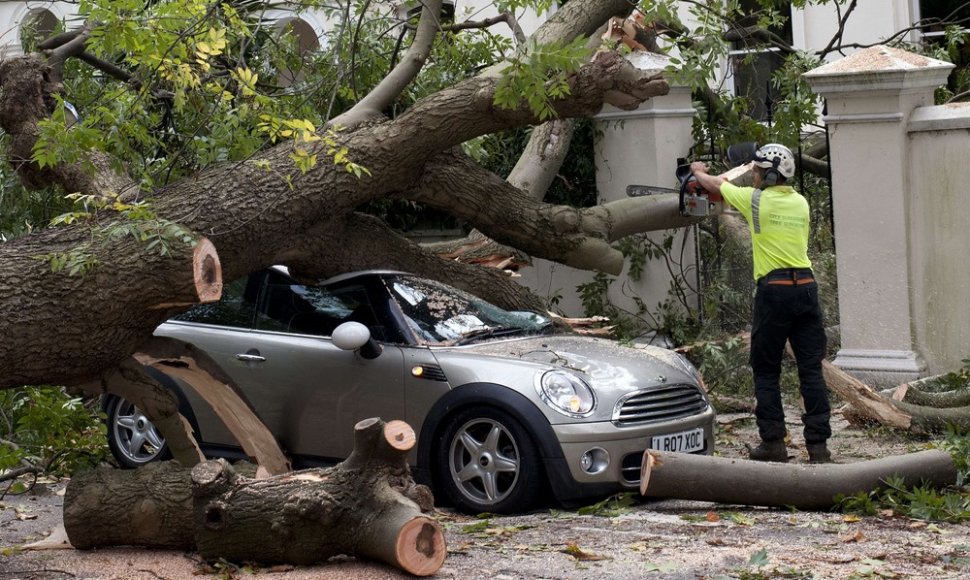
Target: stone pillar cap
(878, 68)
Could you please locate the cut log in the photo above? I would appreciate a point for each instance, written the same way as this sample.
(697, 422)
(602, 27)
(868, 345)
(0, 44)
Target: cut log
(368, 506)
(194, 367)
(353, 508)
(802, 486)
(148, 506)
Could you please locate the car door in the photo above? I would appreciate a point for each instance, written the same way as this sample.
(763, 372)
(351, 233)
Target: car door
(271, 335)
(309, 392)
(222, 330)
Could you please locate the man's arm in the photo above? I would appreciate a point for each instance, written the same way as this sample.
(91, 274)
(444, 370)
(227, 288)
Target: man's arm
(712, 183)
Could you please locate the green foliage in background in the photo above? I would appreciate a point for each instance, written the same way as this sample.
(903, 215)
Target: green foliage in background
(49, 429)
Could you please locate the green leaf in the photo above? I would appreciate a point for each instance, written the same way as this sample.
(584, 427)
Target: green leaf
(759, 558)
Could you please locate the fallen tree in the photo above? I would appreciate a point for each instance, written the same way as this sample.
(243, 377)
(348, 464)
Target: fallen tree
(367, 506)
(802, 486)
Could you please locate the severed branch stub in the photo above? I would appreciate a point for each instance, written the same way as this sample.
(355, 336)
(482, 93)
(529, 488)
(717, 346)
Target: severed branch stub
(367, 506)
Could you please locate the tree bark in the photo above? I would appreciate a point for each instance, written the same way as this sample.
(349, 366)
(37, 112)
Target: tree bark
(367, 506)
(911, 393)
(802, 486)
(148, 506)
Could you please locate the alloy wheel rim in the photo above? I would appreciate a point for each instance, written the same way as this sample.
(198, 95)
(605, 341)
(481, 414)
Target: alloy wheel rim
(484, 461)
(138, 439)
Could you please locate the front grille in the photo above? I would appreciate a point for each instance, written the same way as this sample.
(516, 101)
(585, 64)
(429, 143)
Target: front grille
(664, 403)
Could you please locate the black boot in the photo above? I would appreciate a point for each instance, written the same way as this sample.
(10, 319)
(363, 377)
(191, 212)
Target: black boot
(818, 453)
(768, 451)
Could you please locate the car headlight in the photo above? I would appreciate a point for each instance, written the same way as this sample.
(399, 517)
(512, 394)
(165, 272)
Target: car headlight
(566, 393)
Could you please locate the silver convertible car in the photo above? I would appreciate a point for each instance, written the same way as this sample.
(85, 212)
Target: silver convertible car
(506, 407)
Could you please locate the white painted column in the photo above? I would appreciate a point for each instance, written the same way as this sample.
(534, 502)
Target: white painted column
(633, 147)
(870, 97)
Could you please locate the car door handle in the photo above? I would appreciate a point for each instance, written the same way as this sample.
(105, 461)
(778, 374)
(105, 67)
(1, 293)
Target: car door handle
(250, 357)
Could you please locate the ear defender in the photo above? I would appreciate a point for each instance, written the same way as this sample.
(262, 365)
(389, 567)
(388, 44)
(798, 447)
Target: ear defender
(771, 177)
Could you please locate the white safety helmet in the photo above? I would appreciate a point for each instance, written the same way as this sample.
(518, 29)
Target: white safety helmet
(776, 156)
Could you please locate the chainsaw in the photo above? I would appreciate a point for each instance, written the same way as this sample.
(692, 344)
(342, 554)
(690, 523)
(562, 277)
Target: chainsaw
(694, 200)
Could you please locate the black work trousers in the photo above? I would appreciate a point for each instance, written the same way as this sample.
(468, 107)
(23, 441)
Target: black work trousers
(789, 313)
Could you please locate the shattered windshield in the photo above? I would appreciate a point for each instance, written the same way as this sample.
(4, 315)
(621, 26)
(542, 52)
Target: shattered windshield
(440, 314)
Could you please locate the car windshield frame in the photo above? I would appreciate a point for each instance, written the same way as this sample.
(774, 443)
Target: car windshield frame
(436, 314)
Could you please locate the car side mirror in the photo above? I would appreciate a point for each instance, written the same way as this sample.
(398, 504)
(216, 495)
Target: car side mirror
(355, 336)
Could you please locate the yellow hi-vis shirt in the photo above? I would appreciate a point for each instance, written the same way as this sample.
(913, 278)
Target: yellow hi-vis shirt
(778, 220)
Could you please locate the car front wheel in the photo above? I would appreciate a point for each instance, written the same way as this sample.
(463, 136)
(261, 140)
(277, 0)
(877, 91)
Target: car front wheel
(132, 438)
(487, 462)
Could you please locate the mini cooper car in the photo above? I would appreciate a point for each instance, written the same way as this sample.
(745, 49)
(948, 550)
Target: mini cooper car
(506, 407)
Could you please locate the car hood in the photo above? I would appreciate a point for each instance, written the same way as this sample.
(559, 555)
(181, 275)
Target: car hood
(606, 364)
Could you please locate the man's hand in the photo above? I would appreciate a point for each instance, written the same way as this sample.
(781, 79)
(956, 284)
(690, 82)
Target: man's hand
(698, 167)
(712, 183)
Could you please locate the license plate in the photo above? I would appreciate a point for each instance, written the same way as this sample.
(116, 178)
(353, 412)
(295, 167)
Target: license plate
(683, 442)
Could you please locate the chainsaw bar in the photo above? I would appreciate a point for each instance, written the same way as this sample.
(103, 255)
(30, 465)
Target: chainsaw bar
(642, 190)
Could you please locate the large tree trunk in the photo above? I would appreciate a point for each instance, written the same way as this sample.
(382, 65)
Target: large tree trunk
(367, 506)
(807, 487)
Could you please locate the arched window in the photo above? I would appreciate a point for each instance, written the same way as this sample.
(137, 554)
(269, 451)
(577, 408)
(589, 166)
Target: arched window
(38, 25)
(306, 42)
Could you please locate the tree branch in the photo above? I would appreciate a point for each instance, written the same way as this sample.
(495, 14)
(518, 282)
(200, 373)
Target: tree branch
(506, 17)
(398, 79)
(542, 157)
(837, 37)
(577, 237)
(72, 47)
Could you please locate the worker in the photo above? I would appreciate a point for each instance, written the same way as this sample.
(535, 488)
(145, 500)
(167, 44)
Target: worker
(786, 306)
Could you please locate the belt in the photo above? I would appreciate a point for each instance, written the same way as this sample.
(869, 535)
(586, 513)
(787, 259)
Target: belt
(788, 277)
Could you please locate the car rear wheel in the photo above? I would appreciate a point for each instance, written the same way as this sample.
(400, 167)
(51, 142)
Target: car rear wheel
(132, 437)
(487, 462)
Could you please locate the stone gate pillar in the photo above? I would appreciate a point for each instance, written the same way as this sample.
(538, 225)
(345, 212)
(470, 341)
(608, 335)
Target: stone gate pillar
(870, 96)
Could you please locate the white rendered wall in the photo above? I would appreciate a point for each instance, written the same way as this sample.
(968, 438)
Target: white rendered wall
(939, 147)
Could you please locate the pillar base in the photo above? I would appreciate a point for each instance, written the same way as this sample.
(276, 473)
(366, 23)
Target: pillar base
(881, 368)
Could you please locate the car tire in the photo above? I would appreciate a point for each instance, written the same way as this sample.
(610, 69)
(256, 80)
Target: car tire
(132, 438)
(486, 461)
